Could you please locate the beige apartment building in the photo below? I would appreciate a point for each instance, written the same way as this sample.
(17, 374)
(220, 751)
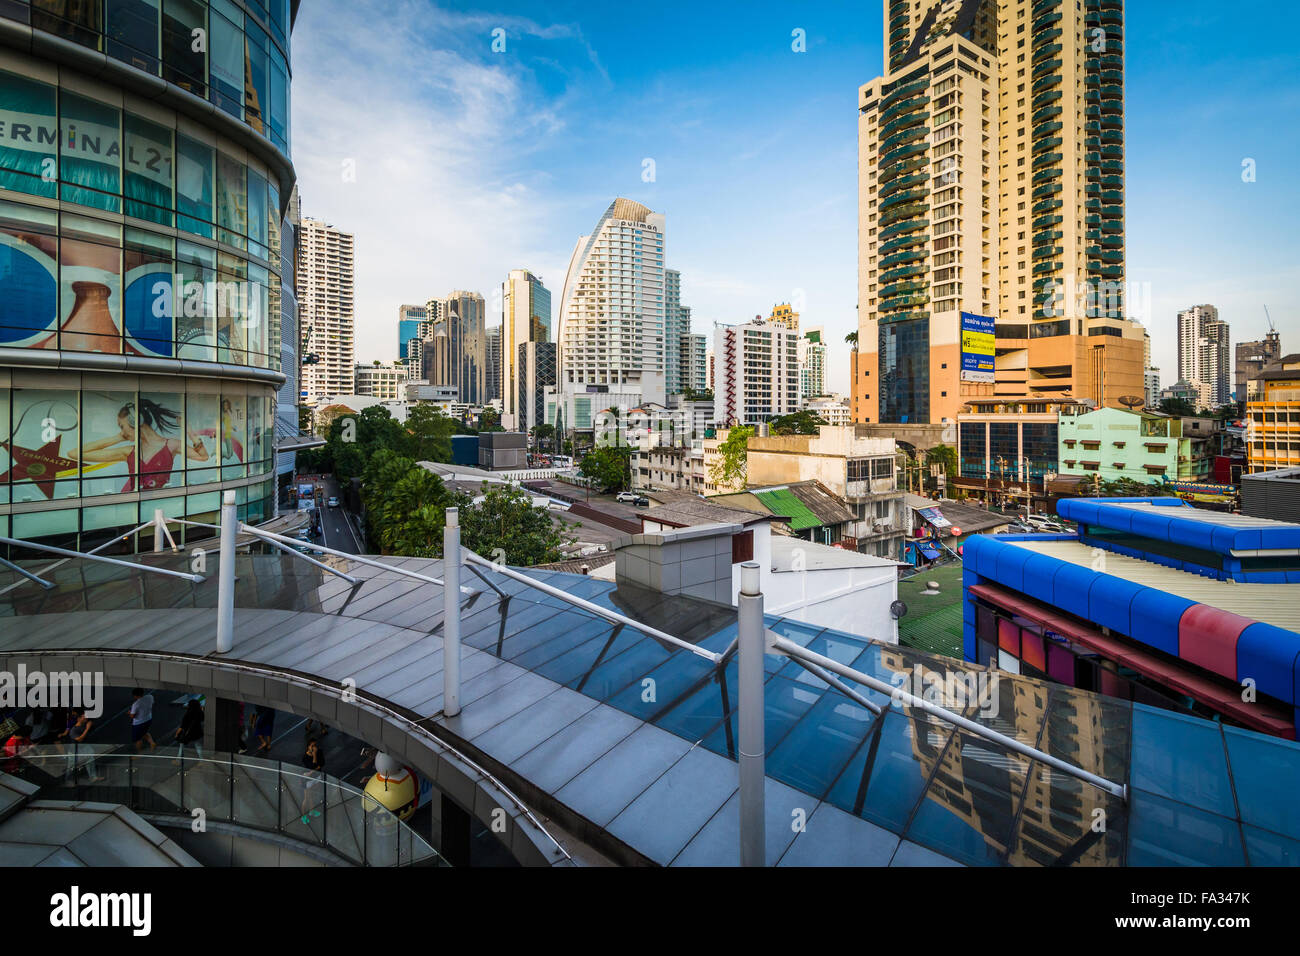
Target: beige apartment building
(991, 210)
(326, 270)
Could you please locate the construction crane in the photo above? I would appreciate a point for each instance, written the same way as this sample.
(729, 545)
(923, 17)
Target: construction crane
(1270, 319)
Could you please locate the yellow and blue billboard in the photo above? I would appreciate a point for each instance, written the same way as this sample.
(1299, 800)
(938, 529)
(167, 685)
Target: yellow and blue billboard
(976, 347)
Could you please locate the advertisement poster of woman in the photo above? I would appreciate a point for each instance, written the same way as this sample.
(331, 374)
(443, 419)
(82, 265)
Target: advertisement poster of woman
(146, 441)
(232, 429)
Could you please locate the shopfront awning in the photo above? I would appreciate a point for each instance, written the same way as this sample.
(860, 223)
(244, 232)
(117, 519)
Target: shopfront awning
(929, 552)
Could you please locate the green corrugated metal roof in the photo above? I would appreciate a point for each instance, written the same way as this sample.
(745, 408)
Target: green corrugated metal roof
(783, 502)
(933, 622)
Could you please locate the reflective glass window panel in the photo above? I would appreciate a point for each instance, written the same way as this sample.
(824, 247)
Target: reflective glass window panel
(1165, 833)
(257, 93)
(29, 133)
(232, 201)
(29, 267)
(132, 32)
(164, 440)
(90, 151)
(109, 430)
(258, 235)
(202, 425)
(969, 807)
(812, 755)
(195, 169)
(75, 20)
(184, 57)
(1181, 758)
(148, 294)
(227, 57)
(90, 295)
(1266, 772)
(148, 161)
(234, 435)
(40, 458)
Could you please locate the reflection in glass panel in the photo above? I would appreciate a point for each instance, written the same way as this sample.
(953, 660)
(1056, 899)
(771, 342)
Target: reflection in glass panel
(76, 20)
(182, 64)
(231, 303)
(1165, 833)
(1067, 822)
(816, 750)
(28, 115)
(257, 218)
(969, 806)
(227, 66)
(1180, 757)
(257, 93)
(109, 428)
(39, 457)
(90, 147)
(195, 167)
(884, 780)
(1266, 773)
(132, 32)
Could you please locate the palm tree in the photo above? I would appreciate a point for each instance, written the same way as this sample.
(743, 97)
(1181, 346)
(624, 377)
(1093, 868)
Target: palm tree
(852, 339)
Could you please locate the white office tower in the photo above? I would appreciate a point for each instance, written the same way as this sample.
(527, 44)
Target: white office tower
(756, 372)
(525, 317)
(326, 267)
(611, 320)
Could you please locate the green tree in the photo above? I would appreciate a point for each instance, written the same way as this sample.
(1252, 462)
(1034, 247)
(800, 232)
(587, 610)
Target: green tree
(697, 395)
(798, 423)
(852, 339)
(489, 420)
(1177, 406)
(946, 456)
(608, 466)
(729, 470)
(542, 433)
(405, 506)
(430, 433)
(508, 520)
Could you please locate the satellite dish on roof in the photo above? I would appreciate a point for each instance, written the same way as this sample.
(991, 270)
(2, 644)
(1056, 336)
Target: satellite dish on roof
(1132, 401)
(898, 609)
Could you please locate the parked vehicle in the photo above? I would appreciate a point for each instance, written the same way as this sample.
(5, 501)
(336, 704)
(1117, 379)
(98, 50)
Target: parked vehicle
(333, 502)
(642, 502)
(626, 497)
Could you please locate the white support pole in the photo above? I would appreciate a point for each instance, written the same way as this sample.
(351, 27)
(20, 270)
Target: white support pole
(159, 530)
(451, 614)
(226, 575)
(753, 839)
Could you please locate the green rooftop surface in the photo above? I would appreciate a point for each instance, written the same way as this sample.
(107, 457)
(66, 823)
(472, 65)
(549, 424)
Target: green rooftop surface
(783, 502)
(933, 621)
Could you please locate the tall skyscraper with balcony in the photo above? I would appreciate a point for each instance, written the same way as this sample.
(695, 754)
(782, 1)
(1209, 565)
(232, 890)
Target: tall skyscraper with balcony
(326, 270)
(144, 187)
(612, 316)
(454, 350)
(525, 317)
(785, 315)
(991, 209)
(673, 331)
(1253, 358)
(1205, 354)
(492, 368)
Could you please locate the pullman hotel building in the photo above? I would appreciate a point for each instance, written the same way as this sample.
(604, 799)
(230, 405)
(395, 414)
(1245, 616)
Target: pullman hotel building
(147, 315)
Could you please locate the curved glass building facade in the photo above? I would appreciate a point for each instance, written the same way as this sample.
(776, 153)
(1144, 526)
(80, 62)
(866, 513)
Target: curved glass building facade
(145, 262)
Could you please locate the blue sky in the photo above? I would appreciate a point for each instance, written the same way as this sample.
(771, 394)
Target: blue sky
(453, 163)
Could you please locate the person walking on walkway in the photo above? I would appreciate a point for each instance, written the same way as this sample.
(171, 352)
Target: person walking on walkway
(314, 760)
(78, 729)
(141, 718)
(263, 727)
(191, 729)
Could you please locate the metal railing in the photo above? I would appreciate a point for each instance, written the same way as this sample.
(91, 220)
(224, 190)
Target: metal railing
(253, 792)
